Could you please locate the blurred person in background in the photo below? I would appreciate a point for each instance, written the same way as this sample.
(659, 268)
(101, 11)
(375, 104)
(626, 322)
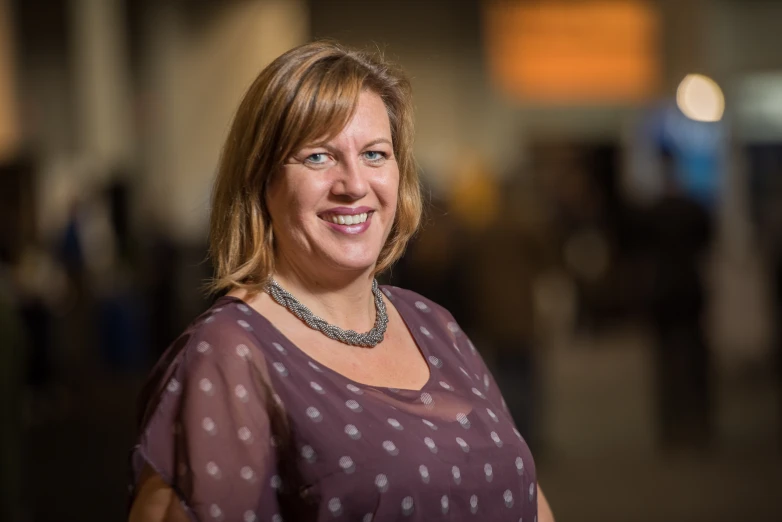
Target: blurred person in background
(12, 363)
(506, 258)
(680, 233)
(264, 409)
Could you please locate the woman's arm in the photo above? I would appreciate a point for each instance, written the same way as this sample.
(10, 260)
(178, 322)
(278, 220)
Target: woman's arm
(155, 501)
(544, 510)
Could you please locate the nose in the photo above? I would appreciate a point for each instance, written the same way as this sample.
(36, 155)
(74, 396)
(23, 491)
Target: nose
(350, 181)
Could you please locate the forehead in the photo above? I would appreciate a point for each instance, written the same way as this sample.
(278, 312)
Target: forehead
(370, 119)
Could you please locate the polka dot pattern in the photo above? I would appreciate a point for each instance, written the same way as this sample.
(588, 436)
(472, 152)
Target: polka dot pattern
(448, 451)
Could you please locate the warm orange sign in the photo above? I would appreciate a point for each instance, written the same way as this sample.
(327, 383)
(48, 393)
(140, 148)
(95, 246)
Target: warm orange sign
(573, 51)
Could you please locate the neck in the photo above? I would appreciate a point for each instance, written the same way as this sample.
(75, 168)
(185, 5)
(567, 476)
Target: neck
(345, 300)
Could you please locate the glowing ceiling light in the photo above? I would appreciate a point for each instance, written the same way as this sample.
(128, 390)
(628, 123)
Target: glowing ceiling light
(700, 98)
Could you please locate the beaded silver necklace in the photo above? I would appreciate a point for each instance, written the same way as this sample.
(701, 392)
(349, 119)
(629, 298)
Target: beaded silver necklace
(369, 339)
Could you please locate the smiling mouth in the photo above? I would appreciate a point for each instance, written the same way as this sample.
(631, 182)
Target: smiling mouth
(346, 219)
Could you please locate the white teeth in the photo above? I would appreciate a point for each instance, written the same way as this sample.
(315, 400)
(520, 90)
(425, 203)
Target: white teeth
(348, 219)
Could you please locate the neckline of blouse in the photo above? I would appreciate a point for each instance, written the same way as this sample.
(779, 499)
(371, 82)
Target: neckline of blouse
(420, 343)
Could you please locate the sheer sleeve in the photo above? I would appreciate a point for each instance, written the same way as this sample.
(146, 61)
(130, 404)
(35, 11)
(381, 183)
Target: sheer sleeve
(210, 433)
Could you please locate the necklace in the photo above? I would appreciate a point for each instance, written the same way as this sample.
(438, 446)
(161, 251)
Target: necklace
(351, 337)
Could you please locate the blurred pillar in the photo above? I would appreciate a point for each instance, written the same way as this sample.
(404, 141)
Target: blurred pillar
(102, 80)
(198, 61)
(9, 121)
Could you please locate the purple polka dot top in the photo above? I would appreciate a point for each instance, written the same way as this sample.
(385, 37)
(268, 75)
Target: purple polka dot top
(244, 426)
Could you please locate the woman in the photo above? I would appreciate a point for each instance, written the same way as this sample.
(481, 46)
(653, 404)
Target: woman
(271, 406)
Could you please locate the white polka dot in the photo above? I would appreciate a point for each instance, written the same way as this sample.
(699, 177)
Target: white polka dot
(314, 414)
(317, 387)
(355, 389)
(504, 405)
(395, 424)
(486, 381)
(446, 385)
(492, 415)
(517, 434)
(430, 424)
(425, 331)
(422, 306)
(209, 319)
(381, 481)
(435, 361)
(173, 386)
(407, 506)
(203, 347)
(519, 465)
(457, 475)
(276, 482)
(531, 490)
(488, 472)
(314, 366)
(430, 444)
(215, 511)
(308, 453)
(462, 444)
(424, 472)
(390, 447)
(352, 432)
(427, 400)
(496, 439)
(444, 504)
(465, 372)
(335, 506)
(463, 420)
(209, 425)
(244, 324)
(457, 348)
(367, 518)
(474, 504)
(353, 405)
(472, 347)
(220, 309)
(276, 518)
(213, 469)
(508, 497)
(281, 369)
(479, 393)
(206, 385)
(279, 348)
(241, 392)
(243, 308)
(453, 327)
(247, 473)
(249, 516)
(244, 434)
(346, 463)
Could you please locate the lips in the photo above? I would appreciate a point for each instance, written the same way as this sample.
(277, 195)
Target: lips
(352, 220)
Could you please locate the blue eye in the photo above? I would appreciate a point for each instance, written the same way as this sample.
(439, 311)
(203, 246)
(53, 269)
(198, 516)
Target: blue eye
(317, 158)
(374, 155)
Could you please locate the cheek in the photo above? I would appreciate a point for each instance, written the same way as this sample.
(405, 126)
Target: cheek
(388, 190)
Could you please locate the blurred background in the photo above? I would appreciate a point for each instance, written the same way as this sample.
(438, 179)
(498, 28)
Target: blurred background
(604, 218)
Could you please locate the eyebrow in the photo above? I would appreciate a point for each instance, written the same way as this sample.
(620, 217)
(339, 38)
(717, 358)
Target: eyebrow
(369, 144)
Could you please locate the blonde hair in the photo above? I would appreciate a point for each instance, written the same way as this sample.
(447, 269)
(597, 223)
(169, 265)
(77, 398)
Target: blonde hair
(309, 93)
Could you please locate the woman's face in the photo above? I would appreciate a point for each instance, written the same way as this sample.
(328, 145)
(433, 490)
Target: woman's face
(333, 203)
